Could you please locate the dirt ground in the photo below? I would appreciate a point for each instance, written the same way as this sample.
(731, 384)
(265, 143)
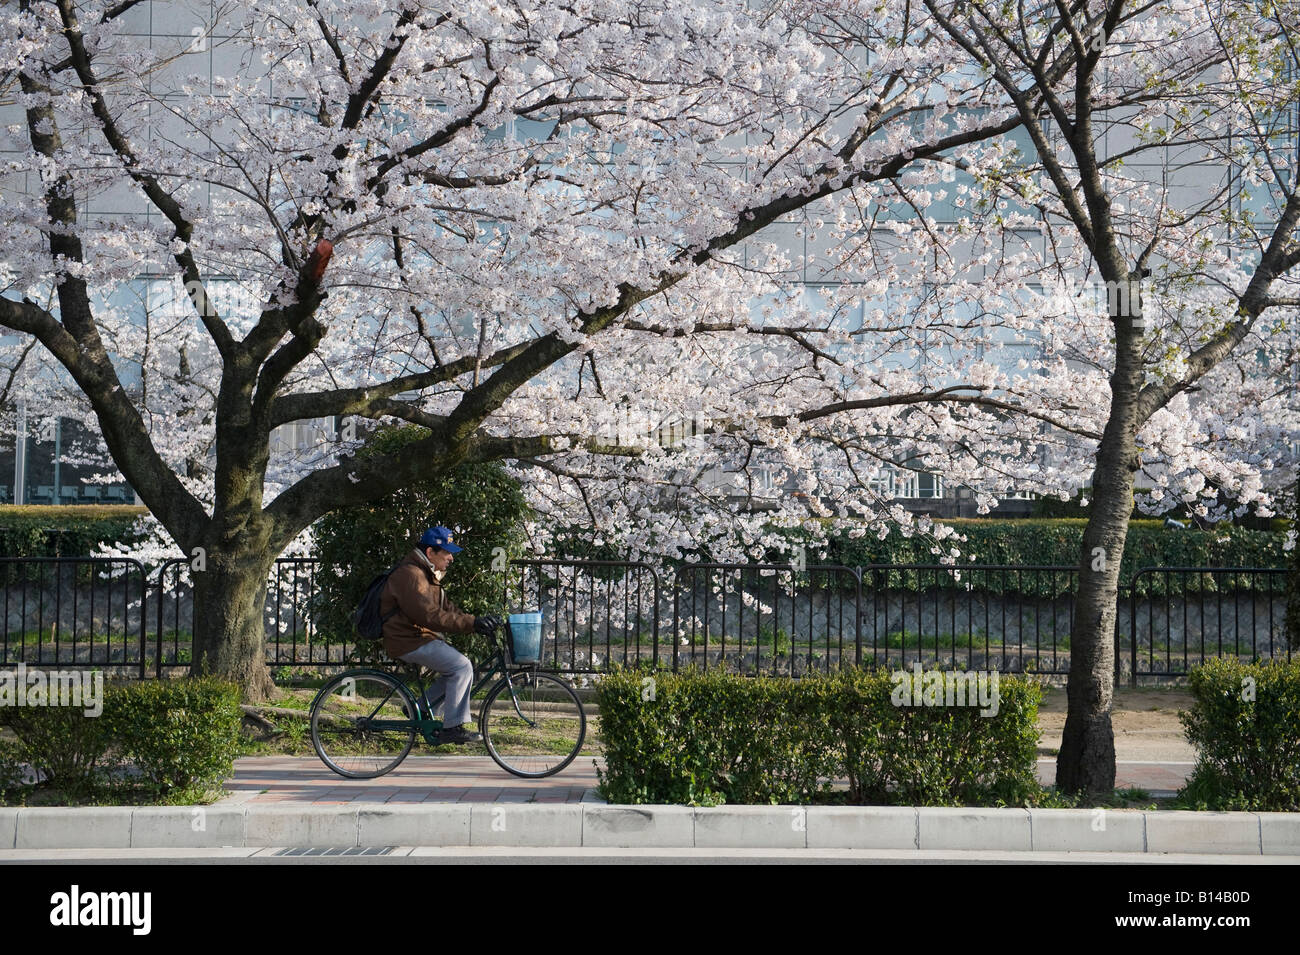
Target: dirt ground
(1145, 722)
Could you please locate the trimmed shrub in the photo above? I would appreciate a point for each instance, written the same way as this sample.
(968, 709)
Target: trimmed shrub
(178, 733)
(31, 531)
(939, 755)
(61, 742)
(1020, 542)
(74, 531)
(899, 743)
(706, 738)
(694, 738)
(1243, 724)
(11, 769)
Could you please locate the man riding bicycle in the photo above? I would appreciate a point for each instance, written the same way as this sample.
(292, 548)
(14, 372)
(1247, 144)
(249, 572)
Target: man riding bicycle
(414, 634)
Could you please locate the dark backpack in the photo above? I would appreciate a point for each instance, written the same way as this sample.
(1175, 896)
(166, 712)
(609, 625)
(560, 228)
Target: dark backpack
(367, 619)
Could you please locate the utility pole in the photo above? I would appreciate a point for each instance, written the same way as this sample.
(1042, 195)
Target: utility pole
(58, 450)
(20, 454)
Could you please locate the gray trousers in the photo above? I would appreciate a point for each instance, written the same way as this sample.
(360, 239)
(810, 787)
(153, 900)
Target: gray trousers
(455, 678)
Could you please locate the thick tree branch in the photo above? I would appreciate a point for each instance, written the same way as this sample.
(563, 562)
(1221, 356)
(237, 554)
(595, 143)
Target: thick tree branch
(123, 430)
(368, 401)
(77, 345)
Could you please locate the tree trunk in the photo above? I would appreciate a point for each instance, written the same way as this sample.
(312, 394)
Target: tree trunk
(229, 622)
(1087, 759)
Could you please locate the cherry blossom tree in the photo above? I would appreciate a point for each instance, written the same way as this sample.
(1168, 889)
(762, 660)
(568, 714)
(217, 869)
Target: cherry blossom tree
(543, 231)
(1200, 310)
(356, 232)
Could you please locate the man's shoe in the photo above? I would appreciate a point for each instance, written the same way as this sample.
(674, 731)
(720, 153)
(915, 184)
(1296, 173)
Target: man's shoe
(458, 735)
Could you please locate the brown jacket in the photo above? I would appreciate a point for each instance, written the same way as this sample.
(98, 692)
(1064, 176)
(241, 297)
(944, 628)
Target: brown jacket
(424, 612)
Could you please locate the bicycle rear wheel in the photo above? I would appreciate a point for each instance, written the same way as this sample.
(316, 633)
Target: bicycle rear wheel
(363, 723)
(537, 730)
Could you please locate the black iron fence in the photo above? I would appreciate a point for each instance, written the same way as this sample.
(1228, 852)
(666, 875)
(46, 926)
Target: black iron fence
(767, 618)
(292, 638)
(747, 618)
(595, 613)
(1182, 616)
(74, 612)
(776, 619)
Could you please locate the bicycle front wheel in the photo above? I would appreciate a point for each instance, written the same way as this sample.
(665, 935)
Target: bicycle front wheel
(536, 729)
(363, 723)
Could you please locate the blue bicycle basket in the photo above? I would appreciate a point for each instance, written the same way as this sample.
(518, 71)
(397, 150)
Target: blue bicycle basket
(525, 637)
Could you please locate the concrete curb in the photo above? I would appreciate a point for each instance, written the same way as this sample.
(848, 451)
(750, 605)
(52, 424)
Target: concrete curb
(660, 827)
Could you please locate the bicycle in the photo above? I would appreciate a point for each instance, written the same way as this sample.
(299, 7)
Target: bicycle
(364, 721)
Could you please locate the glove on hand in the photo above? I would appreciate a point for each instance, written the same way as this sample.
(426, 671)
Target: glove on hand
(487, 625)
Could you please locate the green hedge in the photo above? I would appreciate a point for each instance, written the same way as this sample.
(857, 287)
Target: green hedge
(935, 755)
(697, 741)
(61, 741)
(1058, 543)
(1022, 543)
(1243, 723)
(31, 531)
(707, 738)
(359, 540)
(176, 734)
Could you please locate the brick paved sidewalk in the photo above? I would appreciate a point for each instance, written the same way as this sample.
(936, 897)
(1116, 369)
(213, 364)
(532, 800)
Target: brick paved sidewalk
(305, 780)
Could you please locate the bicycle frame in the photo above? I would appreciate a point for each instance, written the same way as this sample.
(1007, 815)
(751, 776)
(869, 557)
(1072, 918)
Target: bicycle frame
(425, 721)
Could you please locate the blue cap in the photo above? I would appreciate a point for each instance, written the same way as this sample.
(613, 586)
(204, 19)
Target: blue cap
(439, 537)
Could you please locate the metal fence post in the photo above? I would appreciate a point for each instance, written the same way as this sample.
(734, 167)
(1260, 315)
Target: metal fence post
(1133, 631)
(677, 590)
(857, 619)
(654, 623)
(144, 613)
